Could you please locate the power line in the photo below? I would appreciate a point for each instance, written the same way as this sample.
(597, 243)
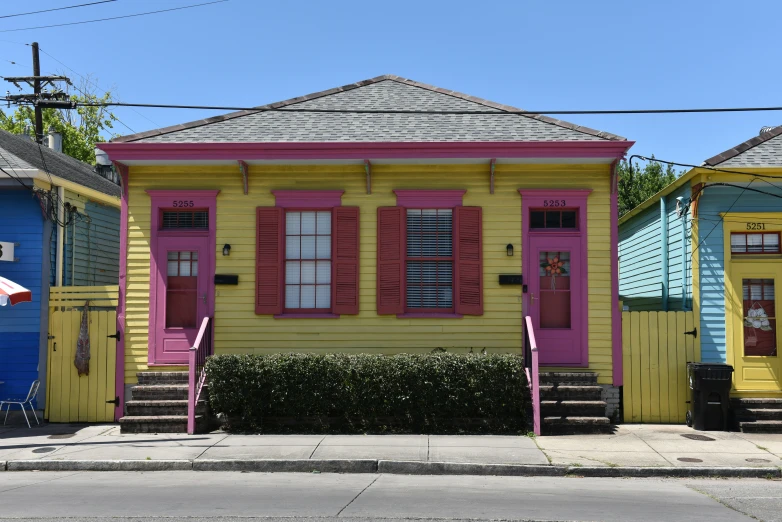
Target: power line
(57, 9)
(114, 17)
(703, 167)
(721, 219)
(495, 112)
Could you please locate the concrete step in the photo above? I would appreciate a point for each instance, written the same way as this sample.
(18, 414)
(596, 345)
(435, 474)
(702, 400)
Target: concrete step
(157, 424)
(761, 426)
(572, 393)
(159, 392)
(162, 408)
(756, 403)
(750, 414)
(568, 378)
(575, 425)
(163, 377)
(553, 408)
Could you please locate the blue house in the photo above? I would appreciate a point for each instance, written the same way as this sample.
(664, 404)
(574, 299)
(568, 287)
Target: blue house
(62, 218)
(710, 242)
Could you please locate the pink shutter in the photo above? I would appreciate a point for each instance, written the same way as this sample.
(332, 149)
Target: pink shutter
(269, 233)
(468, 257)
(344, 279)
(390, 260)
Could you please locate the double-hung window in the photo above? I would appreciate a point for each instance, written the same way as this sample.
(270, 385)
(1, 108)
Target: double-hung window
(429, 255)
(307, 255)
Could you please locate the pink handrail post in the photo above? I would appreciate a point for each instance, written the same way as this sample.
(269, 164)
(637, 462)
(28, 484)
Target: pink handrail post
(201, 349)
(533, 375)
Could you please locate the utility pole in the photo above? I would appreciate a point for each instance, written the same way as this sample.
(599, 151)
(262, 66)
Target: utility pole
(37, 92)
(39, 99)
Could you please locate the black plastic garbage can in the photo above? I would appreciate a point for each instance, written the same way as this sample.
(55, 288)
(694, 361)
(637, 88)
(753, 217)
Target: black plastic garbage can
(709, 396)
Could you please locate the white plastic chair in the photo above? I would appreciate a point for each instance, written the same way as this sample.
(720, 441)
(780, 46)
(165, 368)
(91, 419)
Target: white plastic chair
(21, 403)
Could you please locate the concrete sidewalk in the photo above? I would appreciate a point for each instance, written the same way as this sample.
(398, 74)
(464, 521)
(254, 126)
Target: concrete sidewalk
(648, 449)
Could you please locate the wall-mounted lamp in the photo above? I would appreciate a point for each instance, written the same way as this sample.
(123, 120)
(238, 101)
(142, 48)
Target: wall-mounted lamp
(509, 249)
(226, 249)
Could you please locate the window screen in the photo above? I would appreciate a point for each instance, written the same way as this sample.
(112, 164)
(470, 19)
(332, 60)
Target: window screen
(185, 219)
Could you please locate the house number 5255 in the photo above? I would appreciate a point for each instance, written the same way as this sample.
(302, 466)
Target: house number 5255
(183, 204)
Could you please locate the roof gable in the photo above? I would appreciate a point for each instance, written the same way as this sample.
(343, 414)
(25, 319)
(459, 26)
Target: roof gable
(278, 122)
(764, 150)
(20, 152)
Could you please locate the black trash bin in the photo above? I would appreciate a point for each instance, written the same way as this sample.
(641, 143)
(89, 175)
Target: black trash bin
(709, 396)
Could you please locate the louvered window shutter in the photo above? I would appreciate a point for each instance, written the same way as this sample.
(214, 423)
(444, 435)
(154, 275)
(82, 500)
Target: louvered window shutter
(344, 280)
(390, 260)
(468, 256)
(269, 235)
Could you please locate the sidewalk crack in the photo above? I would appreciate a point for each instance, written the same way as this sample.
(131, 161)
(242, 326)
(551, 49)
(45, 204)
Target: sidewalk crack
(427, 447)
(318, 446)
(654, 450)
(209, 447)
(359, 494)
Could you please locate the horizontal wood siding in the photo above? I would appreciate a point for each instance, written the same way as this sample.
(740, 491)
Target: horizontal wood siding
(677, 249)
(239, 330)
(711, 255)
(21, 221)
(640, 258)
(91, 249)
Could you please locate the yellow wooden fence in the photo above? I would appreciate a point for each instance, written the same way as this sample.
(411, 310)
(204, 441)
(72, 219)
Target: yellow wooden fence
(69, 397)
(655, 353)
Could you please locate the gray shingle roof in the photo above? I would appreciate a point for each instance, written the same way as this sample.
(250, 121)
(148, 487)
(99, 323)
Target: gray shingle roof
(381, 93)
(20, 152)
(764, 150)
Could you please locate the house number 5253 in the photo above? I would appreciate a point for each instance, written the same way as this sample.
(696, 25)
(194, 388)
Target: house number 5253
(554, 203)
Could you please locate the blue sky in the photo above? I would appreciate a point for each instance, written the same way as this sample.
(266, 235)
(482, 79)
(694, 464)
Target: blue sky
(537, 55)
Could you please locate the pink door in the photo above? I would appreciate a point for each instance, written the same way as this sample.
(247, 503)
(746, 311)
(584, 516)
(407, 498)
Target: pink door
(554, 279)
(182, 297)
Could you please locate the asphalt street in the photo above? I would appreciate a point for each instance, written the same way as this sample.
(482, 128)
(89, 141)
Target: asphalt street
(298, 497)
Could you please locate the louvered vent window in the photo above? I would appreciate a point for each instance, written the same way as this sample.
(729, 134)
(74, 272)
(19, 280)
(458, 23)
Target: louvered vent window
(185, 220)
(430, 259)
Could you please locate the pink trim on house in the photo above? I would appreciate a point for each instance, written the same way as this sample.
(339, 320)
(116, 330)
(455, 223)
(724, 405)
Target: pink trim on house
(577, 198)
(362, 151)
(119, 374)
(308, 198)
(616, 314)
(307, 316)
(163, 199)
(413, 315)
(429, 198)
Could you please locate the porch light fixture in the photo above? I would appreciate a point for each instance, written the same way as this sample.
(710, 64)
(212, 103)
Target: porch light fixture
(226, 249)
(509, 249)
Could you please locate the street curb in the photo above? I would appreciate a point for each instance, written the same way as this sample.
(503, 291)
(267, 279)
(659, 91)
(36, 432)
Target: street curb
(392, 467)
(288, 466)
(456, 468)
(99, 465)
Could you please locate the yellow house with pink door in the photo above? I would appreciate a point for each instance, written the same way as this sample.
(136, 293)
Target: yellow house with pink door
(384, 216)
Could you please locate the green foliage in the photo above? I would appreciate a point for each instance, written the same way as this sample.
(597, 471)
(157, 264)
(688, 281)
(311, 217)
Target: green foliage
(81, 128)
(428, 393)
(636, 185)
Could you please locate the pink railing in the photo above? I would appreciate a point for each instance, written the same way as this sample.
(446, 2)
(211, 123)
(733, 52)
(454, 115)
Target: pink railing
(531, 368)
(201, 349)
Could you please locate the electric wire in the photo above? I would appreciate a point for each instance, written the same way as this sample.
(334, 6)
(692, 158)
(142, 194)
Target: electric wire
(720, 221)
(57, 9)
(114, 17)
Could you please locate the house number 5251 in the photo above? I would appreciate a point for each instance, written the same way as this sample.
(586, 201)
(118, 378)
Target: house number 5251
(756, 226)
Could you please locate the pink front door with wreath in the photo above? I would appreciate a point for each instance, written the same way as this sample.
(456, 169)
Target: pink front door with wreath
(554, 261)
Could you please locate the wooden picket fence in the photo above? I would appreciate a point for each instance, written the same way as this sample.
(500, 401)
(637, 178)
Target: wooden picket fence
(655, 353)
(69, 397)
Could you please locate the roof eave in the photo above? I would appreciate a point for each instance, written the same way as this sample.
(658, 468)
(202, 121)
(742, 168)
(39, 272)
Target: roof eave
(678, 182)
(357, 150)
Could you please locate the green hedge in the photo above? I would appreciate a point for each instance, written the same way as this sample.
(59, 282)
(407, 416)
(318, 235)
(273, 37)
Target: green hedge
(339, 393)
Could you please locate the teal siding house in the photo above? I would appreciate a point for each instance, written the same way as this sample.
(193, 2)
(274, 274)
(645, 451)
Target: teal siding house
(710, 243)
(40, 187)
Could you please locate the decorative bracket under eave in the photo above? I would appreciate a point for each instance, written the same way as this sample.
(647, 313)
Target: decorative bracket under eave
(368, 168)
(614, 177)
(245, 169)
(491, 168)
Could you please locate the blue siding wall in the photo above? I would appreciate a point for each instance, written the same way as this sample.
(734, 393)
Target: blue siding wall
(21, 222)
(677, 249)
(712, 257)
(640, 258)
(641, 262)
